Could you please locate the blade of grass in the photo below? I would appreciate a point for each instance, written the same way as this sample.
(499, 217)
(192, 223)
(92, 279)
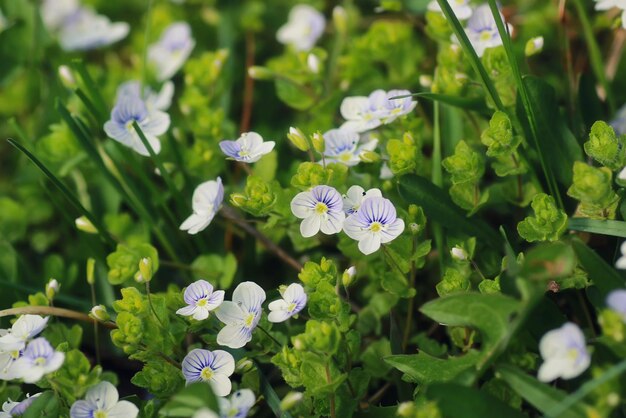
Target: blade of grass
(270, 395)
(91, 107)
(594, 53)
(523, 94)
(68, 194)
(596, 226)
(471, 53)
(91, 88)
(437, 178)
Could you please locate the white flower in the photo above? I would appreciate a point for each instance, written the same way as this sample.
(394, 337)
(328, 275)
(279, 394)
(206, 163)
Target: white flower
(86, 30)
(354, 197)
(385, 172)
(293, 301)
(616, 301)
(365, 113)
(102, 401)
(482, 31)
(7, 360)
(24, 328)
(129, 109)
(321, 209)
(564, 353)
(201, 299)
(458, 253)
(55, 12)
(206, 201)
(15, 409)
(241, 316)
(213, 367)
(153, 100)
(374, 224)
(303, 29)
(619, 264)
(39, 359)
(461, 8)
(238, 405)
(249, 148)
(313, 63)
(172, 50)
(342, 146)
(609, 4)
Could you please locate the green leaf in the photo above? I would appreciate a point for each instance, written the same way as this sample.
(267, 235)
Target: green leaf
(439, 207)
(547, 224)
(425, 369)
(271, 397)
(605, 277)
(549, 262)
(294, 94)
(189, 400)
(597, 226)
(538, 394)
(46, 405)
(455, 401)
(8, 261)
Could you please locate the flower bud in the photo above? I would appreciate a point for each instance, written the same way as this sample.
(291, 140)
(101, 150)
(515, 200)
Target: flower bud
(318, 142)
(244, 365)
(99, 313)
(66, 76)
(298, 139)
(85, 225)
(313, 63)
(298, 343)
(406, 410)
(369, 156)
(52, 288)
(340, 20)
(426, 81)
(534, 46)
(348, 276)
(91, 264)
(145, 270)
(290, 400)
(237, 199)
(458, 253)
(260, 73)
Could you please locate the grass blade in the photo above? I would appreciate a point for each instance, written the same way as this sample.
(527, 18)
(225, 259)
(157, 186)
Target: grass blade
(92, 89)
(597, 226)
(471, 53)
(68, 194)
(270, 395)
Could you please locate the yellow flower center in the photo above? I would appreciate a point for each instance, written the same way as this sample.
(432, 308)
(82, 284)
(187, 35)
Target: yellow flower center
(15, 354)
(100, 414)
(376, 227)
(573, 354)
(129, 126)
(321, 208)
(345, 157)
(40, 361)
(249, 319)
(291, 307)
(206, 373)
(202, 303)
(485, 35)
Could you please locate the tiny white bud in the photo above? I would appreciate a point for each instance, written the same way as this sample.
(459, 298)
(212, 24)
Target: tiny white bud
(66, 76)
(85, 225)
(290, 400)
(52, 288)
(426, 80)
(313, 63)
(100, 313)
(340, 19)
(458, 253)
(348, 276)
(534, 46)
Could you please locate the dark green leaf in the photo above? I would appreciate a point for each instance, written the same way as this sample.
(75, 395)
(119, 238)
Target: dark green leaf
(187, 401)
(455, 401)
(605, 277)
(425, 369)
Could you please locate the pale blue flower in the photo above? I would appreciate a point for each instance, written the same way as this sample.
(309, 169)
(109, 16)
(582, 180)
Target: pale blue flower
(24, 328)
(129, 109)
(564, 353)
(320, 208)
(292, 302)
(172, 50)
(303, 29)
(84, 30)
(153, 100)
(102, 401)
(249, 148)
(201, 299)
(354, 197)
(39, 359)
(213, 367)
(241, 316)
(482, 30)
(363, 113)
(342, 146)
(238, 405)
(206, 201)
(15, 409)
(54, 13)
(374, 224)
(616, 301)
(462, 9)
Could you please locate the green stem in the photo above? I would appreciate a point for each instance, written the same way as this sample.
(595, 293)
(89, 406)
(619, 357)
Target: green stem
(437, 178)
(280, 346)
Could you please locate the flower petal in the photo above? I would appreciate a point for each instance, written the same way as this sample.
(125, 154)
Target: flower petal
(310, 226)
(250, 295)
(104, 395)
(220, 384)
(187, 310)
(392, 231)
(278, 316)
(223, 362)
(230, 313)
(370, 243)
(303, 204)
(124, 409)
(233, 336)
(82, 409)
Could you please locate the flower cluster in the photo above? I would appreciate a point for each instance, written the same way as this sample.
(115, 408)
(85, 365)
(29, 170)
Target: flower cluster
(366, 217)
(364, 113)
(79, 27)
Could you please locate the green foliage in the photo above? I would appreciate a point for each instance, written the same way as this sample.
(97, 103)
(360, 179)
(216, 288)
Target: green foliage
(188, 400)
(259, 197)
(312, 174)
(502, 145)
(548, 223)
(466, 167)
(402, 154)
(593, 188)
(604, 146)
(160, 378)
(124, 262)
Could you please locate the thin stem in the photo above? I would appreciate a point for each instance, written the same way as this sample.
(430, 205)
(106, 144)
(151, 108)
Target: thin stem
(95, 324)
(230, 214)
(411, 307)
(271, 336)
(331, 397)
(248, 89)
(146, 39)
(152, 306)
(49, 310)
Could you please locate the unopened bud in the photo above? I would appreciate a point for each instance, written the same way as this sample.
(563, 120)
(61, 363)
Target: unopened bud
(85, 225)
(145, 270)
(534, 46)
(340, 20)
(458, 253)
(298, 139)
(313, 63)
(369, 156)
(413, 210)
(66, 76)
(52, 288)
(406, 410)
(290, 400)
(298, 344)
(348, 276)
(237, 199)
(318, 142)
(260, 73)
(414, 228)
(244, 365)
(99, 312)
(426, 81)
(91, 264)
